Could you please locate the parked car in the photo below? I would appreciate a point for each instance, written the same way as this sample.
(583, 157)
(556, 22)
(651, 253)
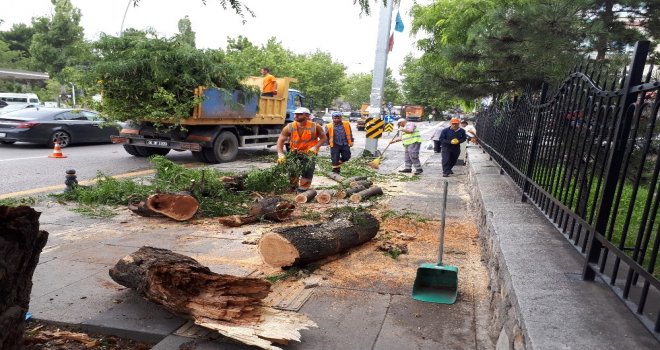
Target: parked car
(45, 125)
(354, 116)
(16, 107)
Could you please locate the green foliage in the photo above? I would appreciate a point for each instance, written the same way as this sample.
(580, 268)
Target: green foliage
(143, 77)
(15, 202)
(292, 272)
(58, 40)
(394, 252)
(277, 179)
(186, 34)
(95, 211)
(358, 89)
(310, 214)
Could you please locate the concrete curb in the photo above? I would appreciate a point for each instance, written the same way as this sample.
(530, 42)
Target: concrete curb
(538, 299)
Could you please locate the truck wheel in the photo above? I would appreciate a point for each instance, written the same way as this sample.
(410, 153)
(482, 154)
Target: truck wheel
(225, 148)
(132, 150)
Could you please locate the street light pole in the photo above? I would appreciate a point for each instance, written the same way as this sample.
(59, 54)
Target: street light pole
(121, 31)
(380, 65)
(73, 94)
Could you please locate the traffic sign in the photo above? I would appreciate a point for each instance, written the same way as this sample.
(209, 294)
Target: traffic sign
(374, 128)
(389, 127)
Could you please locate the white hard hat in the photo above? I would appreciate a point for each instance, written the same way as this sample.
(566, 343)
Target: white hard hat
(301, 110)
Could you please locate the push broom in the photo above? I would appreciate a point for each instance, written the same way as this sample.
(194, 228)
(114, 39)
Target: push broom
(376, 162)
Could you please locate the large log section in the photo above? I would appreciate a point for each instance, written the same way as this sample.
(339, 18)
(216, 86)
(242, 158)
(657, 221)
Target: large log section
(300, 245)
(21, 243)
(229, 304)
(271, 208)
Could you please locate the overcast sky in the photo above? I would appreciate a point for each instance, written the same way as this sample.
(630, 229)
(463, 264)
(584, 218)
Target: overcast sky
(302, 26)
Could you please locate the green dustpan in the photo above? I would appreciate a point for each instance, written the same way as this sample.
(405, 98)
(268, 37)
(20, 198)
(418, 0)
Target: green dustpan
(437, 283)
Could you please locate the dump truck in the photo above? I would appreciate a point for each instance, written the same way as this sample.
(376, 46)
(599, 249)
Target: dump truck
(219, 125)
(412, 113)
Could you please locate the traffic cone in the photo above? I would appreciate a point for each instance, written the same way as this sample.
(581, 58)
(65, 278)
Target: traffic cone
(57, 151)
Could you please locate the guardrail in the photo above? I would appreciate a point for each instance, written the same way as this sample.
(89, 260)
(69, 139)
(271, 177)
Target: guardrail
(587, 157)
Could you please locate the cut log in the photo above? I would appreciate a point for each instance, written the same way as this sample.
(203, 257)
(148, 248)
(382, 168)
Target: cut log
(369, 192)
(234, 183)
(272, 208)
(325, 196)
(228, 304)
(300, 245)
(348, 181)
(363, 183)
(237, 220)
(348, 192)
(305, 196)
(139, 207)
(180, 207)
(335, 177)
(21, 243)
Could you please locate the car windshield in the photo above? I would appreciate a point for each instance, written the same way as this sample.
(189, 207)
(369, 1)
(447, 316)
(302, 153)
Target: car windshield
(32, 113)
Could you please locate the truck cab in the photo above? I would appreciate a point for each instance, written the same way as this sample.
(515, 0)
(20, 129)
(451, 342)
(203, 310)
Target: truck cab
(296, 99)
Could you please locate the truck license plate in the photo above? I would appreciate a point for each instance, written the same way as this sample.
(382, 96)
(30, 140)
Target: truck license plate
(156, 143)
(3, 134)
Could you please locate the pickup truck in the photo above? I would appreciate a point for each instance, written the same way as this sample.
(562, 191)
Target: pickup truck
(221, 124)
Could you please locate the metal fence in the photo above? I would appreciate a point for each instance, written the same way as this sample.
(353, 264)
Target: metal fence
(587, 157)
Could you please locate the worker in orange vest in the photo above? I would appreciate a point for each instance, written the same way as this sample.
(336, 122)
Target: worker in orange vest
(340, 140)
(305, 138)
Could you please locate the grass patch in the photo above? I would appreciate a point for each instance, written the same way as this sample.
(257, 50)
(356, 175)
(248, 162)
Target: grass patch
(309, 214)
(95, 211)
(15, 202)
(394, 253)
(387, 214)
(292, 272)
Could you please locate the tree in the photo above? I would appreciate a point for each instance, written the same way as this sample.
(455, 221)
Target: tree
(319, 78)
(358, 89)
(58, 40)
(186, 34)
(19, 38)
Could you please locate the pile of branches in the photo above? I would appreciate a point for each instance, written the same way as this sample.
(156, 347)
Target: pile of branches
(142, 77)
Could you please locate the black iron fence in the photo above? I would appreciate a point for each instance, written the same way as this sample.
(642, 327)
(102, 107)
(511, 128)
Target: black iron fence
(587, 157)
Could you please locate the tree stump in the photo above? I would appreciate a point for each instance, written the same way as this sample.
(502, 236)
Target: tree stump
(369, 192)
(300, 245)
(228, 304)
(305, 196)
(325, 196)
(179, 207)
(21, 243)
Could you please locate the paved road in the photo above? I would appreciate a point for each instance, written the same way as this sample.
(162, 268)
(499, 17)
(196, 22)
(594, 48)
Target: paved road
(25, 167)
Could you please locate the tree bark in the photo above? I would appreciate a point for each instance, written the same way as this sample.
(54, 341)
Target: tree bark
(364, 183)
(179, 207)
(324, 197)
(335, 177)
(369, 192)
(228, 304)
(305, 196)
(348, 192)
(348, 181)
(237, 220)
(21, 243)
(234, 183)
(300, 245)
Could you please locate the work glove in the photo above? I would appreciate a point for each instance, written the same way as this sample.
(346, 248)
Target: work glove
(455, 141)
(281, 159)
(311, 152)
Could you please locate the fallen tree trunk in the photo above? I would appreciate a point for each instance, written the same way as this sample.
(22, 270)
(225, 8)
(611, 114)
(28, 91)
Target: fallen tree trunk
(229, 304)
(369, 192)
(305, 196)
(180, 207)
(300, 245)
(348, 192)
(21, 243)
(324, 197)
(363, 183)
(347, 182)
(272, 208)
(335, 176)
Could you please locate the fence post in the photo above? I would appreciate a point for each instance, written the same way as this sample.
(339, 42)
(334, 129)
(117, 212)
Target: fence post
(531, 160)
(615, 158)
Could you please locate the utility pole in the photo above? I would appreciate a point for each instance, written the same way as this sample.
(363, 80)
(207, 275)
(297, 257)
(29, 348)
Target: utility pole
(378, 80)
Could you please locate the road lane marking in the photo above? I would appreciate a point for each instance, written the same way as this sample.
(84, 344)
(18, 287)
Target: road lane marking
(11, 159)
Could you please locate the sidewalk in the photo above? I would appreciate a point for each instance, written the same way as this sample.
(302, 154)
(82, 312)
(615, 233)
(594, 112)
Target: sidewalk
(362, 300)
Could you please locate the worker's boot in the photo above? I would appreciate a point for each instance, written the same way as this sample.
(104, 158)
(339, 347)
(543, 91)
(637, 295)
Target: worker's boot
(336, 170)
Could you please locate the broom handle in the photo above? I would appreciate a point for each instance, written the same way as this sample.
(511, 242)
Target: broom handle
(388, 145)
(443, 210)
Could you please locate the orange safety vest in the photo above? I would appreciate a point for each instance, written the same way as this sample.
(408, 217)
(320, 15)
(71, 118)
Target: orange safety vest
(303, 142)
(347, 128)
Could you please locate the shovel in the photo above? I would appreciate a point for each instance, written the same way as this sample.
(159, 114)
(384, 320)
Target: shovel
(437, 283)
(376, 162)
